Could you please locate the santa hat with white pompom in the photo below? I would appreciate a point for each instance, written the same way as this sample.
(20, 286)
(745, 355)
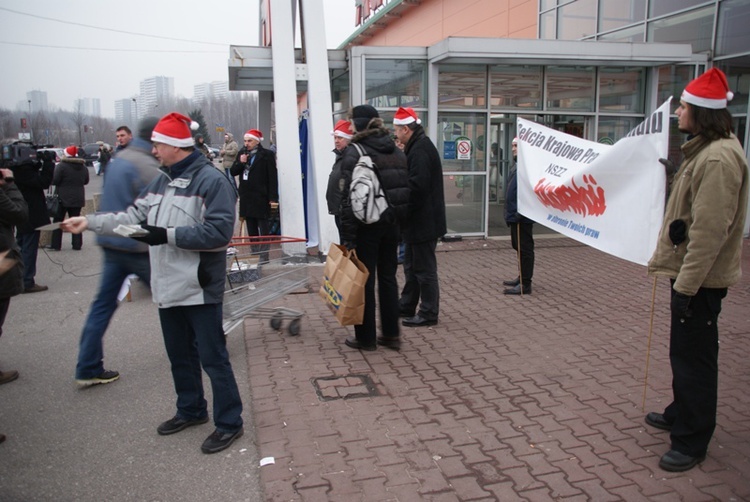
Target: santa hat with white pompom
(710, 90)
(175, 130)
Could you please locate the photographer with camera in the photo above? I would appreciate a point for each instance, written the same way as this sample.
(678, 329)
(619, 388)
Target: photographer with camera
(32, 177)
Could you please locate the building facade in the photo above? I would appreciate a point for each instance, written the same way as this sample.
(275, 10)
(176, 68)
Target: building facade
(591, 68)
(37, 100)
(154, 90)
(126, 112)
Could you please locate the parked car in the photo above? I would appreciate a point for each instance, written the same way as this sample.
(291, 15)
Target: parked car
(90, 153)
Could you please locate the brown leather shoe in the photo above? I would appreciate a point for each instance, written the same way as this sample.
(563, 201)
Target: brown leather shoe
(36, 288)
(8, 376)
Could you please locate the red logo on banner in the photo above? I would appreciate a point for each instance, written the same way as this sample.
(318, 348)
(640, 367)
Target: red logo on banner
(584, 200)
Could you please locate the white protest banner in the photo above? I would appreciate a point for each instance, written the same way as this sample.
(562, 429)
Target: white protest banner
(610, 197)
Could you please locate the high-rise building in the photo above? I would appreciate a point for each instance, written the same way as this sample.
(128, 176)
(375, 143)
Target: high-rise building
(154, 90)
(38, 101)
(88, 106)
(216, 89)
(126, 112)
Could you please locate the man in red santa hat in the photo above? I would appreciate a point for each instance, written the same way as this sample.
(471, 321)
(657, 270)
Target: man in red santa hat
(189, 213)
(699, 250)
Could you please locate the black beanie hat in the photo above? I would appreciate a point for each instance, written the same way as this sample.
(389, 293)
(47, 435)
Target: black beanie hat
(146, 127)
(361, 116)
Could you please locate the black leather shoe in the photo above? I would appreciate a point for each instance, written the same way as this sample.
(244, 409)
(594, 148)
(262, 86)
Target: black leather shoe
(418, 320)
(176, 424)
(352, 342)
(218, 441)
(392, 342)
(518, 290)
(657, 420)
(674, 461)
(514, 282)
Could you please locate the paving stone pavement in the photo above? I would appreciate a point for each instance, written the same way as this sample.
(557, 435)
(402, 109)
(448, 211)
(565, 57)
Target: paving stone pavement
(508, 398)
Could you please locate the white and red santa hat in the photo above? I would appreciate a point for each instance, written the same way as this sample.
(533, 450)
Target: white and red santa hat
(175, 130)
(405, 116)
(71, 151)
(343, 129)
(254, 134)
(710, 90)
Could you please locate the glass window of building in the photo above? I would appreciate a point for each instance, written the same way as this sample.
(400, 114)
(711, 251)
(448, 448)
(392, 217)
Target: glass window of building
(547, 25)
(615, 14)
(390, 83)
(340, 90)
(738, 78)
(672, 81)
(547, 4)
(621, 89)
(576, 20)
(635, 33)
(693, 27)
(462, 86)
(662, 7)
(732, 33)
(570, 88)
(453, 130)
(516, 87)
(613, 129)
(461, 144)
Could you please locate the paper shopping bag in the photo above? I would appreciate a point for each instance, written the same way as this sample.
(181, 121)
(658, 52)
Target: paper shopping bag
(343, 289)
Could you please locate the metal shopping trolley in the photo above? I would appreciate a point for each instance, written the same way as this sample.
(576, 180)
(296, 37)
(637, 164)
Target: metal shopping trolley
(261, 269)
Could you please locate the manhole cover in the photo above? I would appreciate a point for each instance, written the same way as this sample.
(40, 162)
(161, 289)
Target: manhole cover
(344, 387)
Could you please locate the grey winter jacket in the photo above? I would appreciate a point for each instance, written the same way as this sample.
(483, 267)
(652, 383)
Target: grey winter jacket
(198, 210)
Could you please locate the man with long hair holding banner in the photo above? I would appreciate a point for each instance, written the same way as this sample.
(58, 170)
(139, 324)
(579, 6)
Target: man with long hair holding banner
(699, 249)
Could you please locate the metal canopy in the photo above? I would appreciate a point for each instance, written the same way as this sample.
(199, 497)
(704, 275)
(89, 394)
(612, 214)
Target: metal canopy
(459, 50)
(251, 68)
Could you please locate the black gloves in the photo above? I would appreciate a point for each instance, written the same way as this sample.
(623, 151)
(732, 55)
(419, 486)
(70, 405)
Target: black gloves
(156, 236)
(669, 167)
(677, 232)
(681, 304)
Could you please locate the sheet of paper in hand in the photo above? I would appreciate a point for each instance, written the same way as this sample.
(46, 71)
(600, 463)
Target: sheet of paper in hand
(130, 230)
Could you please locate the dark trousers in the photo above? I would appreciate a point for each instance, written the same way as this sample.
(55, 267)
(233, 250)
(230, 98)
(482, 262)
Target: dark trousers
(376, 248)
(527, 249)
(194, 337)
(694, 355)
(29, 244)
(4, 304)
(77, 239)
(421, 280)
(258, 226)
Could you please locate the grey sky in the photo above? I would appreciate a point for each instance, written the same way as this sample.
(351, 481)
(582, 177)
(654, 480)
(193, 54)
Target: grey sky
(67, 74)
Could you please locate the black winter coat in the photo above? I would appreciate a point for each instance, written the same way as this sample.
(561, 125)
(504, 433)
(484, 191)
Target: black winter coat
(32, 180)
(426, 219)
(261, 185)
(391, 164)
(70, 177)
(335, 188)
(13, 212)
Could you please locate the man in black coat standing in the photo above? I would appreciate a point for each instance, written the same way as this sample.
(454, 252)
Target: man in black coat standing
(32, 179)
(425, 224)
(521, 233)
(259, 186)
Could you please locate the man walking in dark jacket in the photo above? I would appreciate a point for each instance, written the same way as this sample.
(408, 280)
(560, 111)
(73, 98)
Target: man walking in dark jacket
(130, 172)
(425, 222)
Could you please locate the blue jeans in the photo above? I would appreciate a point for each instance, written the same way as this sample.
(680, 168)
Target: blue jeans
(29, 244)
(194, 337)
(117, 266)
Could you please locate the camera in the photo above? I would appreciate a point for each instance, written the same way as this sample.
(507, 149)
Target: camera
(16, 154)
